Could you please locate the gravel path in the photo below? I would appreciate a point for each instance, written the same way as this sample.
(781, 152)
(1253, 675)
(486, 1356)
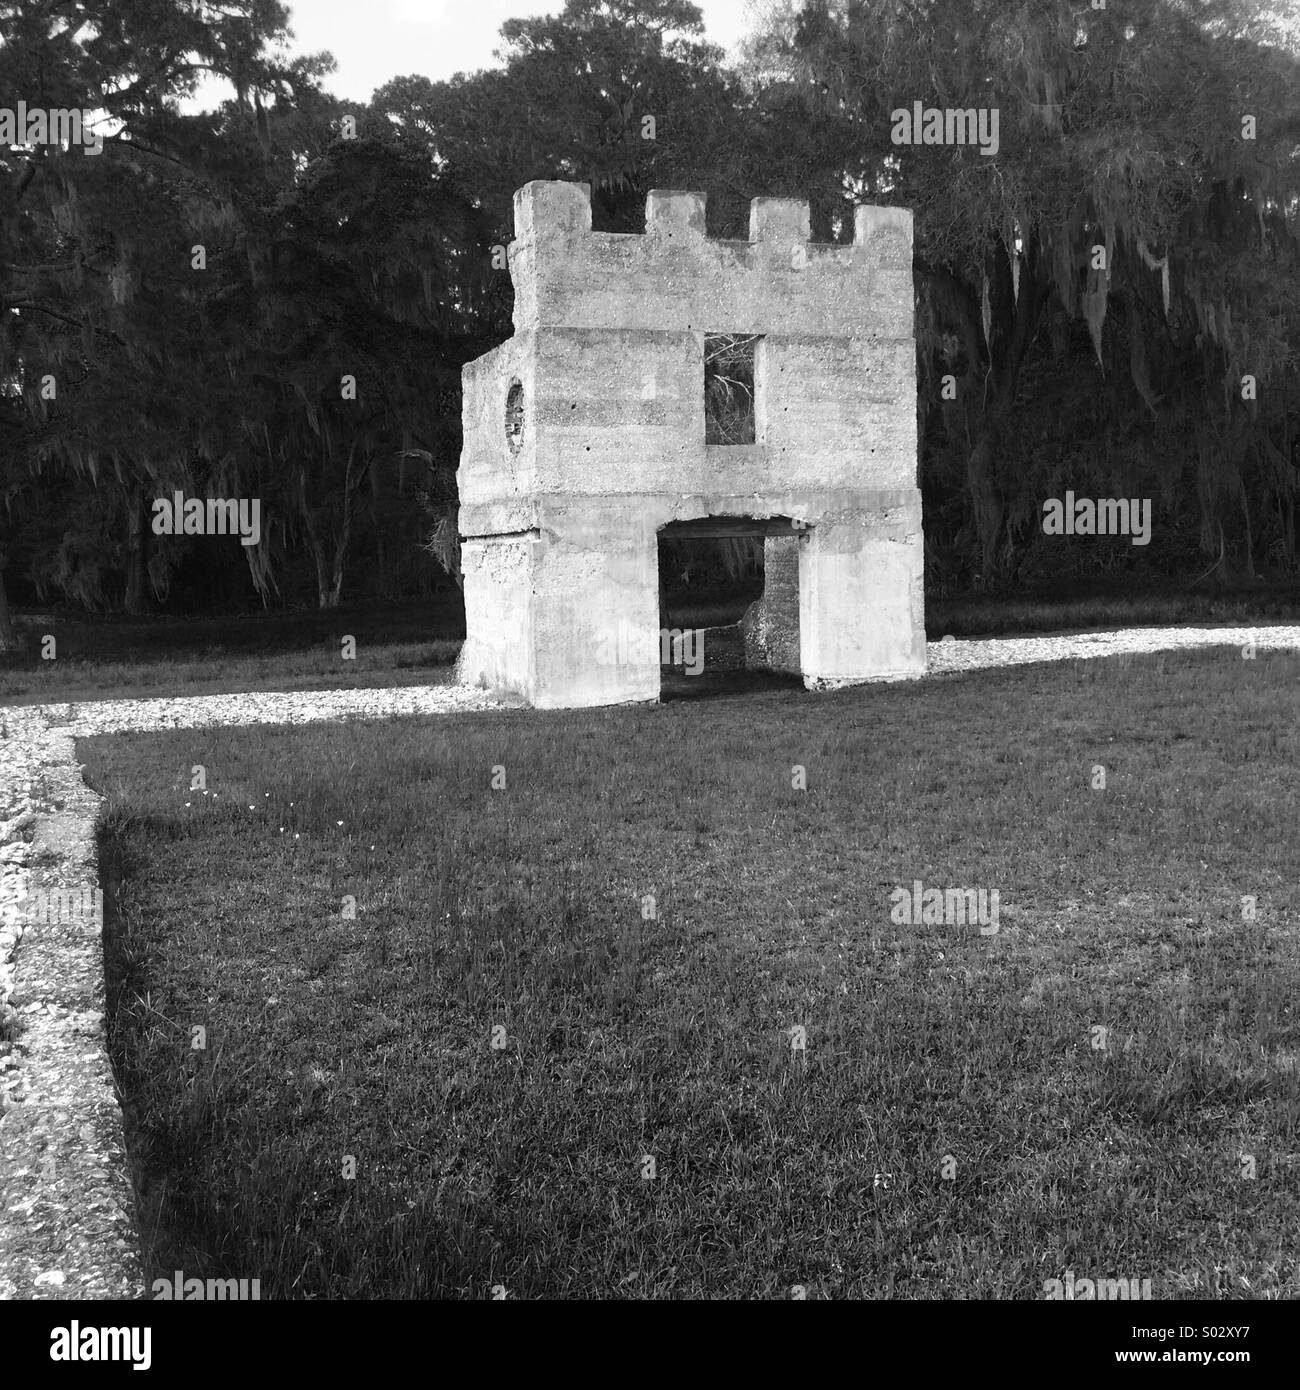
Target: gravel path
(949, 656)
(262, 707)
(65, 1226)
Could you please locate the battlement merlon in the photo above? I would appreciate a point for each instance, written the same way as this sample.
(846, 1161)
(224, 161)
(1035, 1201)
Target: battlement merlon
(886, 231)
(674, 276)
(778, 227)
(545, 208)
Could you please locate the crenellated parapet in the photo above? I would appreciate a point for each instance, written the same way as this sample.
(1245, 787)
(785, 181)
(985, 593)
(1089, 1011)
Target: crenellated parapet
(675, 276)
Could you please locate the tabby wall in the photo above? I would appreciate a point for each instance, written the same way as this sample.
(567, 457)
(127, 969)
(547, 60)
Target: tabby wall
(584, 434)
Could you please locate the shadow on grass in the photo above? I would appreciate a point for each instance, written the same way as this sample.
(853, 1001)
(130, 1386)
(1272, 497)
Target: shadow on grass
(676, 685)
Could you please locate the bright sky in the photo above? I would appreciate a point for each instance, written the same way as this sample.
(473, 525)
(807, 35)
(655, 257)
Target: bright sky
(375, 40)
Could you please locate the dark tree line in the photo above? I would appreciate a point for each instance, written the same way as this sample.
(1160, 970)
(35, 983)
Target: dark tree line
(275, 299)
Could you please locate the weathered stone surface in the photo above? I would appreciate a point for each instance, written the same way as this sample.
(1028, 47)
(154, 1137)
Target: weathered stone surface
(771, 624)
(560, 524)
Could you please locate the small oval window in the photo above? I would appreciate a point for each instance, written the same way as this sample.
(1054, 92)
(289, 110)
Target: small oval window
(515, 417)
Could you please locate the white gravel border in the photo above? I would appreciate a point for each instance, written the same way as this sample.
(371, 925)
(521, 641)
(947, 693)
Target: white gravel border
(973, 654)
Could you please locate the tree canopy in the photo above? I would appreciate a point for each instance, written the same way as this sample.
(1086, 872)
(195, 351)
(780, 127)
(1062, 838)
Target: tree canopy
(276, 298)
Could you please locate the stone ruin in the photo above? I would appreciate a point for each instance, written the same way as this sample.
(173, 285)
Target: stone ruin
(585, 440)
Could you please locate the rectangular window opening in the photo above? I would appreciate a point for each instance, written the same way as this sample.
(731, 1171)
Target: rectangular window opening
(730, 412)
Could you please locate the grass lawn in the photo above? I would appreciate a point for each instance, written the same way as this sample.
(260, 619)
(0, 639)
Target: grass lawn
(503, 1038)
